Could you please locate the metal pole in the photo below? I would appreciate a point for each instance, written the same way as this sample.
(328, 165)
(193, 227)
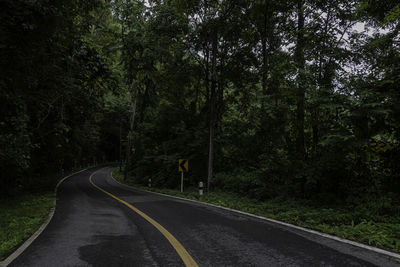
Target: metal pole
(181, 181)
(120, 147)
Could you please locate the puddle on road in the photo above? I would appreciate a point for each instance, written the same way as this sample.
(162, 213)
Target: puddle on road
(122, 250)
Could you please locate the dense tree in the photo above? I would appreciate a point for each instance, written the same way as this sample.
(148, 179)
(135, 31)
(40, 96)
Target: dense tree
(294, 98)
(54, 73)
(270, 88)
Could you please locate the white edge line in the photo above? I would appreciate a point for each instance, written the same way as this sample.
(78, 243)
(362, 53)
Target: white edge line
(346, 241)
(30, 240)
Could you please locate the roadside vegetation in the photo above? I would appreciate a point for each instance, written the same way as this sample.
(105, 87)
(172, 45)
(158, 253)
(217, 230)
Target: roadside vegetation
(20, 217)
(360, 223)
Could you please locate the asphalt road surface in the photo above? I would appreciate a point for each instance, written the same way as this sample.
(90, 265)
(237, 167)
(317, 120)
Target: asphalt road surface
(107, 224)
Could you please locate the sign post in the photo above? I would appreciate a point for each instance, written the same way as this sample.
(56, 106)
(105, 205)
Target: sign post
(181, 182)
(183, 166)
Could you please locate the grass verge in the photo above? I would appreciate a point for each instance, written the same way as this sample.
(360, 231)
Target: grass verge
(20, 217)
(382, 232)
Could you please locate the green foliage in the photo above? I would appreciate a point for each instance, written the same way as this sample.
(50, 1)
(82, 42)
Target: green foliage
(56, 67)
(20, 217)
(237, 66)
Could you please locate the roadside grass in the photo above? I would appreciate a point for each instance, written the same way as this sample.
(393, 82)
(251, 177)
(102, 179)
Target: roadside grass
(20, 217)
(379, 231)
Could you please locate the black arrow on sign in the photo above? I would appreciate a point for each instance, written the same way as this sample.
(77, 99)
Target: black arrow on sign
(182, 165)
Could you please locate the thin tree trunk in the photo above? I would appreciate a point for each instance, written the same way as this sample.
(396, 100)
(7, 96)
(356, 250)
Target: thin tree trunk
(315, 130)
(212, 111)
(142, 104)
(264, 58)
(300, 61)
(132, 122)
(320, 86)
(207, 80)
(210, 156)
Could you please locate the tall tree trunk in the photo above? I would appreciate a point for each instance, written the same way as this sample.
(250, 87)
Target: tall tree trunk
(300, 62)
(144, 102)
(131, 124)
(319, 90)
(212, 117)
(315, 130)
(210, 155)
(315, 108)
(207, 70)
(263, 38)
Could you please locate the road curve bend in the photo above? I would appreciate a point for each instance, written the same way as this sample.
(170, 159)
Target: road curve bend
(99, 222)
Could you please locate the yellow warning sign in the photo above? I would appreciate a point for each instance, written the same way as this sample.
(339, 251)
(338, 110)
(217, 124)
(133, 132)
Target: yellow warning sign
(183, 165)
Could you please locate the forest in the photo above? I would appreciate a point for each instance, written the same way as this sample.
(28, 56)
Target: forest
(289, 99)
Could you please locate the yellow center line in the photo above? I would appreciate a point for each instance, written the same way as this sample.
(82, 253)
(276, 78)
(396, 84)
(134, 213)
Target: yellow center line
(182, 252)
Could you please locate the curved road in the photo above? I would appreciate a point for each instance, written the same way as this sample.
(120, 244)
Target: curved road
(92, 228)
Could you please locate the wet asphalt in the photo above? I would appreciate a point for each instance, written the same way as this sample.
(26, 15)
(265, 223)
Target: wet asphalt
(89, 228)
